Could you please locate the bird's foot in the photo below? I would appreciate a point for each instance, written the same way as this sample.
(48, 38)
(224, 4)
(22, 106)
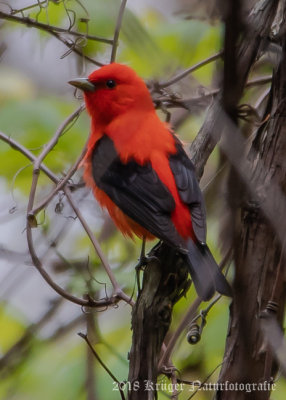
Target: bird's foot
(143, 261)
(140, 266)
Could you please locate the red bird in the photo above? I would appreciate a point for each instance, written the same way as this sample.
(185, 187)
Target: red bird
(138, 170)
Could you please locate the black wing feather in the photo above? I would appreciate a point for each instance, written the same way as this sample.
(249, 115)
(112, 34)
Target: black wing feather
(136, 190)
(140, 194)
(189, 190)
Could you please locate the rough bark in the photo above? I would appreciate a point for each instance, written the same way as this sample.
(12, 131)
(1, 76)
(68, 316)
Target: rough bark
(259, 286)
(242, 55)
(165, 281)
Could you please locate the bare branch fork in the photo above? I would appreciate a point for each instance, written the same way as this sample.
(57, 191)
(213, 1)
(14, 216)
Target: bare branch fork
(118, 294)
(27, 153)
(48, 28)
(61, 184)
(55, 32)
(31, 217)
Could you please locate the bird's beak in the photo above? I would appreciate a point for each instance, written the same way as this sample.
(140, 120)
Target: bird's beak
(83, 84)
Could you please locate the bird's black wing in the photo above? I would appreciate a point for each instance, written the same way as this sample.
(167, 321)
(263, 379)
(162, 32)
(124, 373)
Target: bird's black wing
(136, 190)
(189, 190)
(203, 268)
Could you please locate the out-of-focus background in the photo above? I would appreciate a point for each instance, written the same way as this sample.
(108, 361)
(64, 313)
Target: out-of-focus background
(41, 355)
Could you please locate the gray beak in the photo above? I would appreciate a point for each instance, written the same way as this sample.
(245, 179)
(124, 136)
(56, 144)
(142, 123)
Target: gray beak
(83, 84)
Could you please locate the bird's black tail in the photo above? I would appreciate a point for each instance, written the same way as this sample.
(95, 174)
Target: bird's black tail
(205, 272)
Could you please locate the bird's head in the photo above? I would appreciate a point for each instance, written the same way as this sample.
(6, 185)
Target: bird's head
(113, 90)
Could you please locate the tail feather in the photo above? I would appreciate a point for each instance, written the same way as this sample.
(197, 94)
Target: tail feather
(205, 272)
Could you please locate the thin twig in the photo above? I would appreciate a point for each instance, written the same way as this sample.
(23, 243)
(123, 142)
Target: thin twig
(187, 103)
(44, 153)
(21, 10)
(60, 185)
(205, 380)
(90, 332)
(83, 336)
(31, 218)
(189, 316)
(27, 153)
(171, 344)
(117, 291)
(118, 295)
(117, 30)
(73, 48)
(82, 302)
(190, 70)
(45, 27)
(94, 241)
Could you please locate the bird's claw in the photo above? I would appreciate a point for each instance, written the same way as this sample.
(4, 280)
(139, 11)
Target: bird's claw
(140, 266)
(143, 261)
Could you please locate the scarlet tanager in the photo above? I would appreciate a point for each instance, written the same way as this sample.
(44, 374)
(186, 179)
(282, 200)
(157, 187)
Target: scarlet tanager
(138, 170)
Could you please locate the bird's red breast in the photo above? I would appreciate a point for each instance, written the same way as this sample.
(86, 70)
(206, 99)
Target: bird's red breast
(144, 139)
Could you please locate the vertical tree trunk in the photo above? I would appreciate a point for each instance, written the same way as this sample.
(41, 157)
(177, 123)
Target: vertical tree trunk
(165, 281)
(259, 286)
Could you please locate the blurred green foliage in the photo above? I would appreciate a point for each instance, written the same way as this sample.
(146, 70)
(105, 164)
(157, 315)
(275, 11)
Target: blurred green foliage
(156, 47)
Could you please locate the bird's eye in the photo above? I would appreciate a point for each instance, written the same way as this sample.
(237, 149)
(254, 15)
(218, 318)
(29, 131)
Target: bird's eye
(110, 83)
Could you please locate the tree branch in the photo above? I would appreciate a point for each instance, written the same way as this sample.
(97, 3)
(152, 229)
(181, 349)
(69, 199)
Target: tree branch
(118, 293)
(60, 185)
(188, 71)
(83, 336)
(117, 30)
(165, 280)
(22, 149)
(54, 32)
(48, 28)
